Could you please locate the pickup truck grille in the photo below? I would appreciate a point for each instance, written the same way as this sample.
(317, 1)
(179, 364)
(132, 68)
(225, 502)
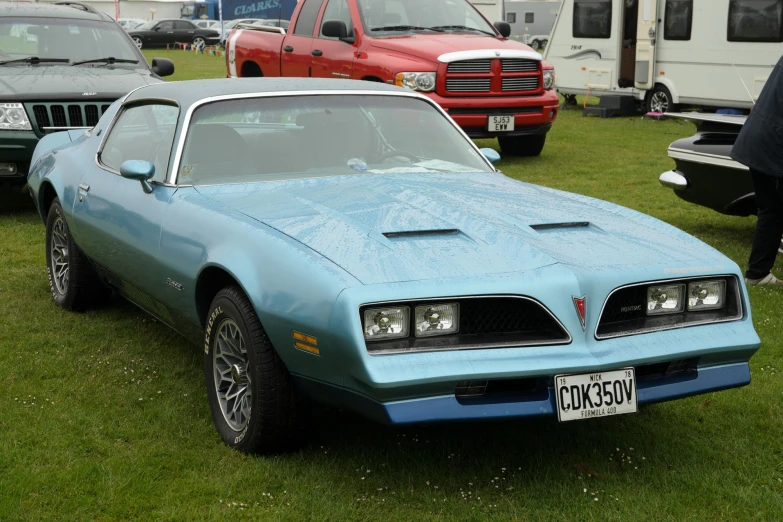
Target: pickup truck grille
(501, 76)
(54, 117)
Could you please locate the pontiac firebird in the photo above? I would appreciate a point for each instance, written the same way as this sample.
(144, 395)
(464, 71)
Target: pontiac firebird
(346, 243)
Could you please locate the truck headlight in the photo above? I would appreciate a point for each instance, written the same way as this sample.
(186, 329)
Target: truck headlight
(13, 117)
(436, 319)
(417, 81)
(549, 79)
(386, 323)
(665, 299)
(706, 295)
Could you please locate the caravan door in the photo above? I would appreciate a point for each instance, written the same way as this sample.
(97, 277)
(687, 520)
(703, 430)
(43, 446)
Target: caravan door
(646, 36)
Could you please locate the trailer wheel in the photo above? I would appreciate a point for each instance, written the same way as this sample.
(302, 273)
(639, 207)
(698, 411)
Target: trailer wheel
(660, 100)
(535, 45)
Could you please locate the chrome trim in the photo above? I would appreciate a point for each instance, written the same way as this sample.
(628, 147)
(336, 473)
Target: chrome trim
(469, 346)
(492, 54)
(64, 128)
(173, 173)
(705, 158)
(266, 28)
(673, 180)
(678, 325)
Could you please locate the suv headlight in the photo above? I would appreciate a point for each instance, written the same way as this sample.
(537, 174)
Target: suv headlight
(417, 81)
(549, 79)
(14, 117)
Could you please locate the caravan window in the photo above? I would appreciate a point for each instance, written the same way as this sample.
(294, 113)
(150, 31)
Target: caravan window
(592, 18)
(511, 18)
(755, 21)
(530, 18)
(678, 20)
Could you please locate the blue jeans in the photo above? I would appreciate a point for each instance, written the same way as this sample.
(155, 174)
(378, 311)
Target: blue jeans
(769, 228)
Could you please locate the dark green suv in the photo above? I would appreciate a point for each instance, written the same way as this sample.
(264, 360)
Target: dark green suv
(61, 66)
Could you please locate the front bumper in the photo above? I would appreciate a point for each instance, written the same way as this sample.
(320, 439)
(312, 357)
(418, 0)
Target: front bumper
(532, 114)
(17, 147)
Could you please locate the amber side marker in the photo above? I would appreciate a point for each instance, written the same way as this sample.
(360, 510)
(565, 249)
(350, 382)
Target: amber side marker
(306, 343)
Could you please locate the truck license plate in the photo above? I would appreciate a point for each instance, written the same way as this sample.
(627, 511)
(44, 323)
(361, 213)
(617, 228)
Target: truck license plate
(595, 394)
(501, 123)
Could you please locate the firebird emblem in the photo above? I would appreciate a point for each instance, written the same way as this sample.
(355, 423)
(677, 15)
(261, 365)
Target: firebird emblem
(579, 304)
(89, 94)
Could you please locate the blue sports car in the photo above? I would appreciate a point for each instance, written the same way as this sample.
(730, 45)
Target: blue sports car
(345, 242)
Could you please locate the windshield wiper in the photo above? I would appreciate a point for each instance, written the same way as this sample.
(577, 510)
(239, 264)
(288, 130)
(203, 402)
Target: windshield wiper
(406, 28)
(460, 28)
(109, 60)
(35, 59)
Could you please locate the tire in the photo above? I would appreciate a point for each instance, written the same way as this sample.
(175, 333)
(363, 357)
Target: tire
(660, 100)
(72, 280)
(271, 414)
(535, 45)
(523, 146)
(138, 42)
(199, 43)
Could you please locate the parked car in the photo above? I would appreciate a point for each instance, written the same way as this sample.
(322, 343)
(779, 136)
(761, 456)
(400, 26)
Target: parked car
(61, 66)
(159, 33)
(493, 87)
(130, 23)
(283, 24)
(207, 24)
(345, 242)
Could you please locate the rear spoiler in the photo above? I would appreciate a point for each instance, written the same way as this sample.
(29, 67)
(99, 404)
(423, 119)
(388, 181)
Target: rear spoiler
(264, 28)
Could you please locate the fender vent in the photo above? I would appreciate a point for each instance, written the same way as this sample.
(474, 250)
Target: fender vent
(556, 226)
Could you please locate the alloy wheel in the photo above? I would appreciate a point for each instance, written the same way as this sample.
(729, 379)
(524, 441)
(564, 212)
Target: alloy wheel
(137, 41)
(59, 255)
(232, 379)
(659, 102)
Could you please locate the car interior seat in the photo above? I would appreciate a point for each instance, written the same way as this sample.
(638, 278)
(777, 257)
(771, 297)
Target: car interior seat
(214, 151)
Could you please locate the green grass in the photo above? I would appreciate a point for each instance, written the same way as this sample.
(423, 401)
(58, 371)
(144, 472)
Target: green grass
(104, 415)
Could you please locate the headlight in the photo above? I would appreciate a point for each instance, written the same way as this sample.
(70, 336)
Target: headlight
(386, 323)
(665, 299)
(706, 295)
(549, 79)
(417, 81)
(13, 117)
(436, 319)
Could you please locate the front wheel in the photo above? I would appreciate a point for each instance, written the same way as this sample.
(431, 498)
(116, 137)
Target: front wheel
(254, 404)
(138, 42)
(535, 45)
(523, 146)
(659, 100)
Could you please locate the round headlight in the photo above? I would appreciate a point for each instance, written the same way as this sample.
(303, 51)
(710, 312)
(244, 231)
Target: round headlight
(549, 79)
(14, 116)
(425, 82)
(2, 115)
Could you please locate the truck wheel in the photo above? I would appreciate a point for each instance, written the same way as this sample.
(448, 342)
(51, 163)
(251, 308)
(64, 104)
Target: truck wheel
(138, 42)
(254, 404)
(524, 146)
(660, 100)
(72, 280)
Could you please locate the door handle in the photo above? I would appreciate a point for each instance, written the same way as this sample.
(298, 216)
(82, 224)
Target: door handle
(316, 52)
(84, 187)
(288, 49)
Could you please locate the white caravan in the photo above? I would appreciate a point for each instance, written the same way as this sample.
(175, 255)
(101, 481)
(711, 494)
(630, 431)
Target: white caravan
(532, 20)
(491, 9)
(715, 53)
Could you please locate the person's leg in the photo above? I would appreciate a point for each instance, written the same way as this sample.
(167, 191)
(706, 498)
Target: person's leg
(769, 228)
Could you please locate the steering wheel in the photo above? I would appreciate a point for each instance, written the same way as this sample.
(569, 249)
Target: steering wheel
(398, 154)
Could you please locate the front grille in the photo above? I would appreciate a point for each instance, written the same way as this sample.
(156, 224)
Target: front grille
(470, 66)
(468, 84)
(51, 117)
(514, 65)
(485, 322)
(520, 84)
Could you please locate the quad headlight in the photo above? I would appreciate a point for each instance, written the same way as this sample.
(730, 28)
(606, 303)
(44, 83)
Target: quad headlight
(429, 319)
(666, 299)
(13, 117)
(549, 79)
(417, 81)
(700, 295)
(706, 295)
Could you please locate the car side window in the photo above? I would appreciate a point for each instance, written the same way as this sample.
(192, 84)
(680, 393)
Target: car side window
(183, 26)
(142, 132)
(337, 10)
(305, 23)
(166, 26)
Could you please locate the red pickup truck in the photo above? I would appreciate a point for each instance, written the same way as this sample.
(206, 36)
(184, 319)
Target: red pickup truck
(493, 87)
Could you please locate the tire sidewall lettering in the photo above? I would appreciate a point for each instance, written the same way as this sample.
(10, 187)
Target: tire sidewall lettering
(208, 330)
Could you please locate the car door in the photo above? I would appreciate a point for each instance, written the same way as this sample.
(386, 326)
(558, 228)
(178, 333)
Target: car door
(117, 222)
(164, 33)
(295, 59)
(333, 58)
(184, 31)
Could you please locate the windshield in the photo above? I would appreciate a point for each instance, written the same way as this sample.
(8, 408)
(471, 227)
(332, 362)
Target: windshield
(297, 137)
(395, 17)
(146, 25)
(72, 39)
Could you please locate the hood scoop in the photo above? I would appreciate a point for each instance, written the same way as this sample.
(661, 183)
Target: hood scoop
(425, 239)
(421, 233)
(546, 227)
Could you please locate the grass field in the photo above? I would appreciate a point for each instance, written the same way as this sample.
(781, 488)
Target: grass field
(104, 415)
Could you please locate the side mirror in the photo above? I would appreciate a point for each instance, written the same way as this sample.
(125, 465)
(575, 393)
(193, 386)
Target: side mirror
(162, 66)
(491, 154)
(503, 28)
(336, 29)
(139, 170)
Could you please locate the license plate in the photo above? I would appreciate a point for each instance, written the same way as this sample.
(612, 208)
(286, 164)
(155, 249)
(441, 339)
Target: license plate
(593, 395)
(501, 123)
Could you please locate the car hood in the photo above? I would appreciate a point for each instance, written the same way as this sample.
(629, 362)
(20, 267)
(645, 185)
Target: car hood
(394, 228)
(431, 46)
(64, 82)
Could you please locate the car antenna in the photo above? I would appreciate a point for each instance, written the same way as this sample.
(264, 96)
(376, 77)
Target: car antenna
(743, 84)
